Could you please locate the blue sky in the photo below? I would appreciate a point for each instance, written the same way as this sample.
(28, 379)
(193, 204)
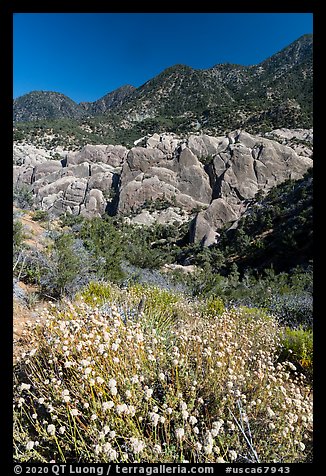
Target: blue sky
(87, 55)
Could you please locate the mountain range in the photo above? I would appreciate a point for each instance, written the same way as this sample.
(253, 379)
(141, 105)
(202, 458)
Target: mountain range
(275, 93)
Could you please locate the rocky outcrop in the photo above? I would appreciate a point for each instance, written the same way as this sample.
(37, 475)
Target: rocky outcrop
(248, 164)
(166, 179)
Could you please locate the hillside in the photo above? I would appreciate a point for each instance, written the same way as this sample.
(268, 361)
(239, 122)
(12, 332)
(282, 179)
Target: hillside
(38, 105)
(273, 94)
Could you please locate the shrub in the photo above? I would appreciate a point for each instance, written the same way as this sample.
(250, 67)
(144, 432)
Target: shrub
(18, 236)
(23, 197)
(40, 215)
(213, 307)
(96, 388)
(69, 267)
(297, 347)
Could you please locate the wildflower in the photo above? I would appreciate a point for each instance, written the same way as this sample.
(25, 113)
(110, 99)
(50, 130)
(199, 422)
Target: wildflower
(185, 414)
(112, 383)
(121, 408)
(179, 432)
(198, 446)
(62, 429)
(162, 419)
(34, 416)
(113, 390)
(94, 417)
(51, 429)
(148, 393)
(134, 379)
(107, 405)
(161, 376)
(66, 398)
(99, 380)
(192, 420)
(137, 445)
(302, 446)
(86, 405)
(154, 418)
(270, 412)
(25, 386)
(74, 412)
(112, 434)
(216, 426)
(30, 445)
(169, 410)
(292, 367)
(220, 460)
(157, 449)
(233, 455)
(196, 430)
(183, 406)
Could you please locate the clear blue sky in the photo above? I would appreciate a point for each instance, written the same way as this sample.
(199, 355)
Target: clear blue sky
(87, 55)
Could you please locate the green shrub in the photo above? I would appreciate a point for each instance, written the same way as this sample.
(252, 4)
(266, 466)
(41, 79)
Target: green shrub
(213, 307)
(18, 235)
(297, 347)
(40, 215)
(23, 197)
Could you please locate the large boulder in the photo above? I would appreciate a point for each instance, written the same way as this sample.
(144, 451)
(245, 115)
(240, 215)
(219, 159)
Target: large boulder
(46, 168)
(113, 155)
(205, 226)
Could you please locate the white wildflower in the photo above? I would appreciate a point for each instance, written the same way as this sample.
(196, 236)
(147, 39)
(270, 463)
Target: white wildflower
(185, 414)
(157, 449)
(137, 445)
(30, 445)
(192, 420)
(134, 379)
(74, 412)
(233, 455)
(270, 412)
(112, 383)
(51, 429)
(62, 429)
(179, 432)
(154, 418)
(25, 386)
(148, 393)
(113, 390)
(107, 405)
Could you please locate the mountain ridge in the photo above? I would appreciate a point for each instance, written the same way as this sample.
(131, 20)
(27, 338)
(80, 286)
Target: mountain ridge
(273, 94)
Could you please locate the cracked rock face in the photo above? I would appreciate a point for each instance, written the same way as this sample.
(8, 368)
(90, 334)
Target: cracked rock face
(209, 179)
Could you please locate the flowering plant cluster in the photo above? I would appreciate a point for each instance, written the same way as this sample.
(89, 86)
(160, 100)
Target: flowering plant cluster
(104, 383)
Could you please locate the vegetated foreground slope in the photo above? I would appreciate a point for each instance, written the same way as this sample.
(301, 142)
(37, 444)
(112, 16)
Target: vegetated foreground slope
(175, 382)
